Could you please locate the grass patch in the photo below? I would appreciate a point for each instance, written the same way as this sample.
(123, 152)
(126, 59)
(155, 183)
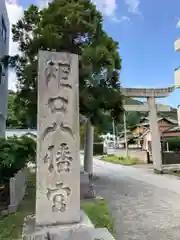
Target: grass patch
(175, 173)
(98, 213)
(121, 160)
(11, 225)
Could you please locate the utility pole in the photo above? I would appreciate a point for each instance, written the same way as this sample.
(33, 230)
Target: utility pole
(125, 134)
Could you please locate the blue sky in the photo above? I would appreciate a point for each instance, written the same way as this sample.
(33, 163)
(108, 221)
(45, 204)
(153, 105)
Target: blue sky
(146, 31)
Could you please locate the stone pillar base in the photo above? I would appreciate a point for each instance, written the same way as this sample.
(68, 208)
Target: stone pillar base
(82, 230)
(156, 171)
(87, 190)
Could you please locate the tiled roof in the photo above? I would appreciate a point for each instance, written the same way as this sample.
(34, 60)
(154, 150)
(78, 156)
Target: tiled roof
(172, 129)
(145, 123)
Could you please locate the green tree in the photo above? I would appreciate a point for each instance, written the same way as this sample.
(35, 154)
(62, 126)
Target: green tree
(77, 27)
(97, 135)
(16, 116)
(11, 118)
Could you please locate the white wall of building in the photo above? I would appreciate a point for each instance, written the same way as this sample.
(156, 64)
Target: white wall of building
(4, 50)
(147, 138)
(20, 132)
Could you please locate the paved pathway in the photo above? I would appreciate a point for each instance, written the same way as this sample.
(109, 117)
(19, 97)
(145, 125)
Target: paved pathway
(145, 206)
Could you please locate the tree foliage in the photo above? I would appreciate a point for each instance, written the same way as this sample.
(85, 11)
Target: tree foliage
(174, 143)
(15, 153)
(16, 115)
(97, 135)
(77, 27)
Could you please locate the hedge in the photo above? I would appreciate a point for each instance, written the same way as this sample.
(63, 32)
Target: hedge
(174, 143)
(15, 153)
(98, 149)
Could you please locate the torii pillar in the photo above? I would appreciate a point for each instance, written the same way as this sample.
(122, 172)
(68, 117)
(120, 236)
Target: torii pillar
(177, 76)
(151, 94)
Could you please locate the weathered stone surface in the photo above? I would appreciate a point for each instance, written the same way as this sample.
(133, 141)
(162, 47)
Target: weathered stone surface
(87, 190)
(17, 187)
(103, 234)
(84, 178)
(4, 213)
(58, 165)
(75, 233)
(64, 231)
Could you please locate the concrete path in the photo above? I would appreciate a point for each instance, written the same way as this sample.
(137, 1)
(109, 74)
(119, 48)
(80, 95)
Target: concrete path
(145, 206)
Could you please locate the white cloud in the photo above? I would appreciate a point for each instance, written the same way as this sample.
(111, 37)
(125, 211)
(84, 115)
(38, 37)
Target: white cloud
(121, 19)
(178, 24)
(133, 6)
(107, 7)
(43, 3)
(15, 12)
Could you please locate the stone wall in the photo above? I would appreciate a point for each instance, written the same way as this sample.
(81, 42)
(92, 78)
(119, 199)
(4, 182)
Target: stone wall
(134, 153)
(171, 158)
(17, 188)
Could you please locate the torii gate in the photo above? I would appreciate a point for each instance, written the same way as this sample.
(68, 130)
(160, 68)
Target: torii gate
(151, 94)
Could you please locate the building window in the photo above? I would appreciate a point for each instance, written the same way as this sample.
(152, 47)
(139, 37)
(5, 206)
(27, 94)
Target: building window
(3, 30)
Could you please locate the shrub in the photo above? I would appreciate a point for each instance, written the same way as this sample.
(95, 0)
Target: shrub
(30, 147)
(98, 149)
(97, 134)
(14, 154)
(174, 143)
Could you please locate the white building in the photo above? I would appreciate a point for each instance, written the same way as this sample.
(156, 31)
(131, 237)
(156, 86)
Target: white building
(110, 140)
(21, 132)
(4, 50)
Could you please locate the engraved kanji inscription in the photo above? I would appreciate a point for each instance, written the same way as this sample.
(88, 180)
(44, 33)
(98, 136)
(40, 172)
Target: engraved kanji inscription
(63, 72)
(58, 70)
(58, 104)
(54, 126)
(51, 70)
(49, 129)
(67, 129)
(63, 158)
(49, 158)
(65, 85)
(58, 196)
(64, 66)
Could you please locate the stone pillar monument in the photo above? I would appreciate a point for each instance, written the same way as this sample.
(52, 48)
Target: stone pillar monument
(58, 165)
(58, 215)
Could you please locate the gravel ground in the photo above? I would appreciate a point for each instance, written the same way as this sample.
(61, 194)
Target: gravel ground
(145, 206)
